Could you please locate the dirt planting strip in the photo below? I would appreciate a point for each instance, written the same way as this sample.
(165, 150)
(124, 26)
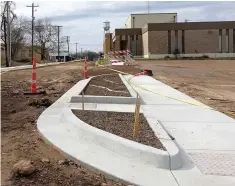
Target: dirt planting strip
(121, 124)
(107, 85)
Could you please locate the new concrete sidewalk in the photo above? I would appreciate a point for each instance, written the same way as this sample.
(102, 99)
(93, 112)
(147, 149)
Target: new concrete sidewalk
(205, 137)
(202, 151)
(117, 158)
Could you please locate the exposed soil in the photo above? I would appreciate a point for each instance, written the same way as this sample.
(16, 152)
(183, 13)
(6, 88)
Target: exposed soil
(108, 85)
(19, 137)
(210, 81)
(121, 124)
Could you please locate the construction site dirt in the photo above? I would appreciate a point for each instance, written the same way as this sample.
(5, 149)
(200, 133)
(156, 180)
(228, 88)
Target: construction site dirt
(20, 139)
(121, 124)
(211, 82)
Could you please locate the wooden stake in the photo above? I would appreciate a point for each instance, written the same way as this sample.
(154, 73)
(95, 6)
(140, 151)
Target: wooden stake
(83, 100)
(137, 116)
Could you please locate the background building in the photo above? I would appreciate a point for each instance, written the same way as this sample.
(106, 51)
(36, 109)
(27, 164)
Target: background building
(161, 35)
(139, 20)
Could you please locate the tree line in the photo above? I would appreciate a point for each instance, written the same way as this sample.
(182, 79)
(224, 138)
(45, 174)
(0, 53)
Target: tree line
(45, 34)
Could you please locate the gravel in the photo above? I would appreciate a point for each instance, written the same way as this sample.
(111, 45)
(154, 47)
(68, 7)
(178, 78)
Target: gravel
(107, 85)
(121, 124)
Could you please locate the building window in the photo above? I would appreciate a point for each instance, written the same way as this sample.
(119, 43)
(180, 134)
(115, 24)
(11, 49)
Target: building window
(132, 37)
(133, 22)
(176, 39)
(227, 40)
(169, 41)
(220, 40)
(136, 37)
(183, 48)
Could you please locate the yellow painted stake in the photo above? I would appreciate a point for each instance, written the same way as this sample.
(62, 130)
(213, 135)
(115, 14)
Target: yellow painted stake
(137, 117)
(83, 100)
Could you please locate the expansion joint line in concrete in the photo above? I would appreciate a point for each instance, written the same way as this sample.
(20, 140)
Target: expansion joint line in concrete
(170, 168)
(168, 152)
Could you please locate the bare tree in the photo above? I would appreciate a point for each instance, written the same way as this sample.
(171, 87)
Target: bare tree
(19, 35)
(6, 22)
(45, 37)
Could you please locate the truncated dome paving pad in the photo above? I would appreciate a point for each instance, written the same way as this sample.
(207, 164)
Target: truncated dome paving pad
(215, 164)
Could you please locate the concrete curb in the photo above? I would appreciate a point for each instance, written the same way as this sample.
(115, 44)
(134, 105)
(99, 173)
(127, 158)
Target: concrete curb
(156, 157)
(167, 141)
(104, 99)
(122, 146)
(129, 87)
(98, 159)
(61, 128)
(161, 134)
(30, 66)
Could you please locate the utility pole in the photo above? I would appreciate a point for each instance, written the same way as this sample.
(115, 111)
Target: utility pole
(58, 34)
(32, 6)
(76, 50)
(81, 52)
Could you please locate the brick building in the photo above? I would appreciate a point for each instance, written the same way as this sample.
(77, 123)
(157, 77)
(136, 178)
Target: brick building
(161, 37)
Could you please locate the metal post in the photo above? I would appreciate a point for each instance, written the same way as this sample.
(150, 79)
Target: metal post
(58, 42)
(76, 50)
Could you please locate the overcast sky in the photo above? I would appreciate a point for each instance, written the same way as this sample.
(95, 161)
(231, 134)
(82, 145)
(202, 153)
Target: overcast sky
(83, 20)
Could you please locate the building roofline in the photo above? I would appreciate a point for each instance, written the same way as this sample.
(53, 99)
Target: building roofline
(189, 26)
(127, 18)
(149, 13)
(154, 13)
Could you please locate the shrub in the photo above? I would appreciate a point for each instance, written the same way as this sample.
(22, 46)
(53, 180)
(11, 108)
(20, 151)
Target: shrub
(205, 57)
(176, 52)
(167, 57)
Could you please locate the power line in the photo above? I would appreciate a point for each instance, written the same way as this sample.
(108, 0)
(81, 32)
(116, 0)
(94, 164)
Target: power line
(32, 6)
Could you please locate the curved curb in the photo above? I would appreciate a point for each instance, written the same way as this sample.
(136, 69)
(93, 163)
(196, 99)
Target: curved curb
(120, 168)
(160, 133)
(167, 141)
(61, 128)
